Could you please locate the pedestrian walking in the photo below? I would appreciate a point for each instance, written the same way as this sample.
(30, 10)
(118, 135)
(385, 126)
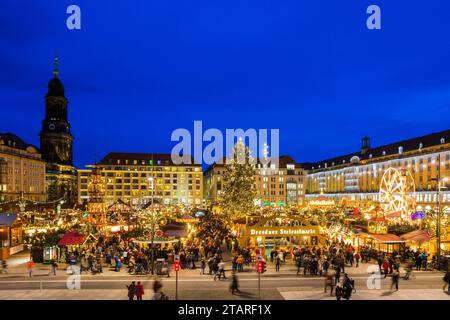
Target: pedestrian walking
(337, 275)
(277, 264)
(380, 262)
(118, 264)
(386, 267)
(329, 283)
(447, 281)
(221, 270)
(395, 277)
(131, 290)
(4, 267)
(203, 265)
(357, 257)
(54, 267)
(139, 291)
(157, 293)
(234, 286)
(30, 266)
(409, 272)
(298, 263)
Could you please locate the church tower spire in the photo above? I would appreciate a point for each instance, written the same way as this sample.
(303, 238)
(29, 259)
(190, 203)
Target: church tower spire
(55, 67)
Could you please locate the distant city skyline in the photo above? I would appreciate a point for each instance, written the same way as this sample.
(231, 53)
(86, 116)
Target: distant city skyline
(312, 70)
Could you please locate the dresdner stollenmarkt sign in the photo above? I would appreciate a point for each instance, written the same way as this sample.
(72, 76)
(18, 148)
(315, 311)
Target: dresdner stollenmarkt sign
(283, 231)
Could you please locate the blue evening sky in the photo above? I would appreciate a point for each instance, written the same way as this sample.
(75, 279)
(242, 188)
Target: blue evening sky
(138, 69)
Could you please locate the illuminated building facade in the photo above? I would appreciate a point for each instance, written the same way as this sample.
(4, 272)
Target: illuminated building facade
(357, 176)
(138, 178)
(22, 171)
(277, 185)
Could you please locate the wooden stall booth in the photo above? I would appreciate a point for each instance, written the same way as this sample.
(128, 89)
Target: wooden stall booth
(11, 237)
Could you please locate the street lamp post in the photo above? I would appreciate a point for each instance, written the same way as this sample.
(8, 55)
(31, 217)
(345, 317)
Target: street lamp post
(155, 217)
(439, 216)
(440, 182)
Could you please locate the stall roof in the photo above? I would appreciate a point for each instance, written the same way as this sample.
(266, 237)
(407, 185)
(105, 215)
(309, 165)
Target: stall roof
(417, 235)
(8, 219)
(73, 239)
(394, 215)
(156, 241)
(176, 233)
(384, 238)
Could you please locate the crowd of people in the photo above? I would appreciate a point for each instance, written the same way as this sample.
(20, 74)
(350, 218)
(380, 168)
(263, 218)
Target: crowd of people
(115, 253)
(329, 261)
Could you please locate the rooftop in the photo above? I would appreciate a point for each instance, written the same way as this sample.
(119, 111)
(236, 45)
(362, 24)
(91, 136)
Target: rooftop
(13, 141)
(142, 159)
(283, 161)
(413, 144)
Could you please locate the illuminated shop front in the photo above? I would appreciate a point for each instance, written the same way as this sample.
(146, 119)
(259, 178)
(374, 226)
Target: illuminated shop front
(11, 238)
(387, 243)
(282, 233)
(378, 239)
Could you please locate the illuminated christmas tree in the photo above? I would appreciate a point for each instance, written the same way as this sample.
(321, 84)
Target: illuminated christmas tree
(239, 182)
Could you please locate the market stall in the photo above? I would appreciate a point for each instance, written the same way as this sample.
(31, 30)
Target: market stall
(74, 241)
(419, 240)
(282, 233)
(387, 243)
(11, 238)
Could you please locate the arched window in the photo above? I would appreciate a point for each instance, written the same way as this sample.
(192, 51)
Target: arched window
(442, 140)
(400, 150)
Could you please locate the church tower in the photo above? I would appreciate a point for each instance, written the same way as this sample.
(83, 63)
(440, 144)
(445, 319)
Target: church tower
(56, 144)
(56, 138)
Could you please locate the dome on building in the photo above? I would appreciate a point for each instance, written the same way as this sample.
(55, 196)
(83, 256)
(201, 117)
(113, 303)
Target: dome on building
(55, 88)
(355, 159)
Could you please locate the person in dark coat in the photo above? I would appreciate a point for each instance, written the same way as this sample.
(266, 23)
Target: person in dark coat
(337, 275)
(447, 281)
(234, 283)
(131, 290)
(277, 264)
(395, 277)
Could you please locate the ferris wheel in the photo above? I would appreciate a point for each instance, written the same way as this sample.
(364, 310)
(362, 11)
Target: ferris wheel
(396, 190)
